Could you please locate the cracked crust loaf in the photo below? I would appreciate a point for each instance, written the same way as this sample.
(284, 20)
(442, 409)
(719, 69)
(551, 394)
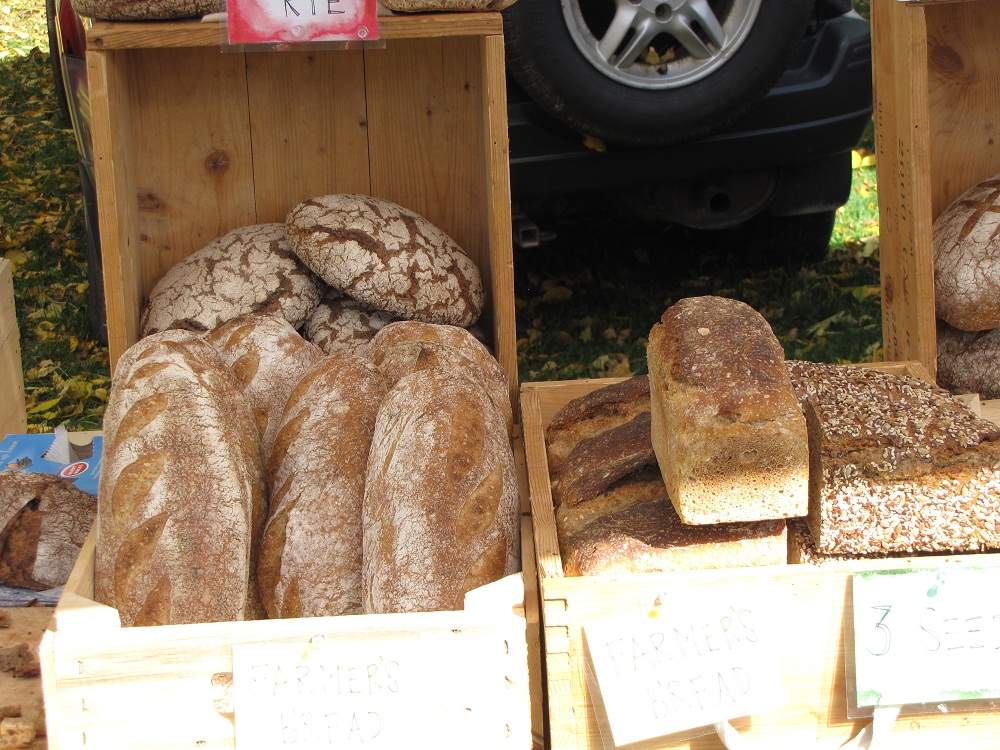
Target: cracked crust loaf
(267, 357)
(387, 257)
(181, 499)
(592, 414)
(44, 521)
(897, 465)
(340, 323)
(244, 271)
(441, 507)
(408, 346)
(728, 431)
(146, 10)
(310, 554)
(969, 361)
(650, 538)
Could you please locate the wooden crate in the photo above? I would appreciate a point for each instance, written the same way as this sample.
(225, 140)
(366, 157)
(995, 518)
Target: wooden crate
(937, 129)
(815, 606)
(12, 417)
(191, 141)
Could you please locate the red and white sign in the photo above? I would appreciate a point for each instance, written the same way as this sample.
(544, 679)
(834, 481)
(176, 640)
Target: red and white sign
(73, 470)
(283, 21)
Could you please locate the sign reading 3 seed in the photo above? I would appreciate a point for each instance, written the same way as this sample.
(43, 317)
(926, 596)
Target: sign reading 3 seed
(284, 21)
(926, 636)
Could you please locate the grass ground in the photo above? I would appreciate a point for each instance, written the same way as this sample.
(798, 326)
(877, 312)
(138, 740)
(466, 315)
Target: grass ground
(585, 302)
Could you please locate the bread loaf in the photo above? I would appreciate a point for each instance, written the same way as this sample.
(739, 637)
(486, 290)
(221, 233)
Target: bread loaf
(896, 465)
(310, 556)
(146, 10)
(181, 499)
(342, 324)
(440, 508)
(649, 537)
(967, 259)
(640, 486)
(241, 272)
(728, 432)
(408, 346)
(969, 362)
(426, 6)
(44, 521)
(387, 257)
(267, 357)
(592, 414)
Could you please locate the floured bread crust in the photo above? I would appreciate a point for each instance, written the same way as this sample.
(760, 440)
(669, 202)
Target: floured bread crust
(969, 361)
(340, 323)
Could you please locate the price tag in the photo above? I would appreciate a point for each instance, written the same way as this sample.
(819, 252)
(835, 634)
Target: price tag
(926, 636)
(690, 663)
(371, 693)
(282, 21)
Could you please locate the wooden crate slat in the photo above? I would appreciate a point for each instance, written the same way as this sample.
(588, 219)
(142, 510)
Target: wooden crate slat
(12, 415)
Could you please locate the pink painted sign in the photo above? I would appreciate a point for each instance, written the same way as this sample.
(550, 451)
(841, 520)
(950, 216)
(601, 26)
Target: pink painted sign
(270, 21)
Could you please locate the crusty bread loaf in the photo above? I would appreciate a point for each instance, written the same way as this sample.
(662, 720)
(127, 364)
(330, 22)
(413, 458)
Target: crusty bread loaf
(408, 346)
(440, 508)
(146, 10)
(728, 432)
(969, 361)
(649, 537)
(340, 323)
(640, 486)
(592, 414)
(43, 523)
(897, 464)
(310, 555)
(267, 357)
(426, 6)
(181, 498)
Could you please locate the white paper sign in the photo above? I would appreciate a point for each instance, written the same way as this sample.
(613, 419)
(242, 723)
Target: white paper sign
(926, 636)
(690, 663)
(361, 693)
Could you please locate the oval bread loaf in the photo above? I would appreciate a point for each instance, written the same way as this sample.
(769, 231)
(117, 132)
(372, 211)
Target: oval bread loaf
(408, 346)
(969, 361)
(342, 324)
(967, 259)
(241, 272)
(388, 257)
(310, 555)
(440, 508)
(146, 10)
(267, 357)
(181, 498)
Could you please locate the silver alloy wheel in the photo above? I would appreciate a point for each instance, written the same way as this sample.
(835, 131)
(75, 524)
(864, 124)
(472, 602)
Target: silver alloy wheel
(702, 42)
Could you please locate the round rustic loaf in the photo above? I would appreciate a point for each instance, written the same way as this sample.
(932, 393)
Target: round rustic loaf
(387, 257)
(146, 10)
(440, 506)
(310, 555)
(181, 500)
(967, 259)
(342, 324)
(407, 346)
(241, 272)
(267, 357)
(969, 361)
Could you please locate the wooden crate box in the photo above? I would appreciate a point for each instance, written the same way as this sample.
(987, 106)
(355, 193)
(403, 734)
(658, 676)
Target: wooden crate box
(12, 416)
(191, 141)
(811, 609)
(937, 130)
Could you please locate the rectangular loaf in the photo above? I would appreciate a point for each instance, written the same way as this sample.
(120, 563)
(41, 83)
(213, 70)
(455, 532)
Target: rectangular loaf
(897, 465)
(728, 432)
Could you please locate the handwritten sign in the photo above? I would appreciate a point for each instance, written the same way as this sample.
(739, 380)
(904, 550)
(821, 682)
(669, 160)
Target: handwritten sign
(271, 21)
(687, 664)
(926, 636)
(366, 693)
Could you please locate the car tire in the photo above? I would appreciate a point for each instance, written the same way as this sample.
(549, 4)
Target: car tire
(546, 60)
(55, 61)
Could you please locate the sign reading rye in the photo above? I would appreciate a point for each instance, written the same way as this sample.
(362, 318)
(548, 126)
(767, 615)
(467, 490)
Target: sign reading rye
(691, 663)
(282, 21)
(926, 636)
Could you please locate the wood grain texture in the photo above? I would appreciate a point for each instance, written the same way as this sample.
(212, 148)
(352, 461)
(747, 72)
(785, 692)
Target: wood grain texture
(12, 415)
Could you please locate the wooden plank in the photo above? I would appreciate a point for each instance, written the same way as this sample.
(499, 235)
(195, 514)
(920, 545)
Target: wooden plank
(132, 35)
(304, 146)
(543, 515)
(532, 616)
(12, 416)
(903, 127)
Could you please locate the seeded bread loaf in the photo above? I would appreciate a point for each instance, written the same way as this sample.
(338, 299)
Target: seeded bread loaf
(896, 465)
(728, 432)
(267, 357)
(388, 257)
(441, 507)
(340, 323)
(43, 523)
(649, 537)
(969, 361)
(244, 271)
(181, 499)
(592, 414)
(146, 10)
(310, 555)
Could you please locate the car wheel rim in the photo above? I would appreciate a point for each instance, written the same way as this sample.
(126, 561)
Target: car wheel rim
(659, 44)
